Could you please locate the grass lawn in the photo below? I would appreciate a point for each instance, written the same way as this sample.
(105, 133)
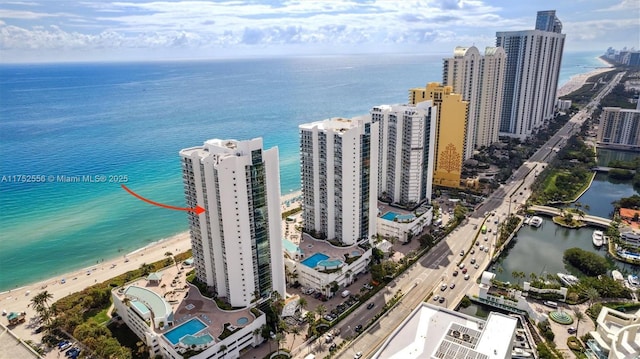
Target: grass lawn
(99, 317)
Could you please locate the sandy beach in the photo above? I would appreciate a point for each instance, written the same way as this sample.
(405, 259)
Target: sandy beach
(577, 81)
(17, 300)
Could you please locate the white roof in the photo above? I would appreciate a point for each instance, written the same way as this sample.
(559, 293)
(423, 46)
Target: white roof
(432, 331)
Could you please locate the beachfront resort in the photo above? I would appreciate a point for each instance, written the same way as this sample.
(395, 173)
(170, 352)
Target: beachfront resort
(175, 320)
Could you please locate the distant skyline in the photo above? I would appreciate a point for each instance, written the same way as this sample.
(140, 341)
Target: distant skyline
(91, 30)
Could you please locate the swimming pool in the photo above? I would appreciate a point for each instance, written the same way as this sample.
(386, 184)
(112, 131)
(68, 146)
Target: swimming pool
(191, 327)
(312, 261)
(242, 320)
(190, 340)
(389, 216)
(330, 263)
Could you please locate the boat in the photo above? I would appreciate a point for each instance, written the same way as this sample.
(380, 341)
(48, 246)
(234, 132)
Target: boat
(535, 221)
(617, 276)
(568, 279)
(633, 280)
(598, 238)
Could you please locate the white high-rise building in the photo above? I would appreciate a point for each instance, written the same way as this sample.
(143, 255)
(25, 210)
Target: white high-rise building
(480, 80)
(237, 241)
(619, 127)
(531, 79)
(339, 170)
(407, 145)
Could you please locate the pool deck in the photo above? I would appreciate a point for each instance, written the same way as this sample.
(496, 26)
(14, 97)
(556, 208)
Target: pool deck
(202, 308)
(208, 312)
(309, 246)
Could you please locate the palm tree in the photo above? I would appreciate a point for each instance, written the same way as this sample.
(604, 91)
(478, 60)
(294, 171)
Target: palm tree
(280, 338)
(348, 276)
(170, 258)
(295, 331)
(265, 331)
(145, 268)
(579, 317)
(302, 302)
(310, 317)
(223, 348)
(592, 294)
(321, 309)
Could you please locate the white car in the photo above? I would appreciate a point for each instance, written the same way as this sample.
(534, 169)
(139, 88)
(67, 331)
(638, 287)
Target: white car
(358, 355)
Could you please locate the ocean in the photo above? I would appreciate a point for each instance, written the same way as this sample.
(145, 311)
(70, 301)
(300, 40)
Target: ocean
(113, 123)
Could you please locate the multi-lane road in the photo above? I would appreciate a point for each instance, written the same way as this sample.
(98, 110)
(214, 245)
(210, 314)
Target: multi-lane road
(436, 267)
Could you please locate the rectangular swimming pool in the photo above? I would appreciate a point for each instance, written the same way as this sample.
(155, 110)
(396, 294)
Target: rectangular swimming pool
(191, 327)
(389, 216)
(312, 261)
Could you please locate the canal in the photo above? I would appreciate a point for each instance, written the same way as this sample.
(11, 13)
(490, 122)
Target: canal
(540, 250)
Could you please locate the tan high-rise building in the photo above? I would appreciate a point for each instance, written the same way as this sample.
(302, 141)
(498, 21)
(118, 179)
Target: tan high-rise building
(451, 130)
(479, 79)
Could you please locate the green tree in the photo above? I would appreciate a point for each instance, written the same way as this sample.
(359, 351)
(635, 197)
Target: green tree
(589, 263)
(579, 317)
(320, 310)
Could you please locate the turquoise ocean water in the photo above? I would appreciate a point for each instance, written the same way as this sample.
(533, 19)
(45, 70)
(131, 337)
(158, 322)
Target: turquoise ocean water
(131, 119)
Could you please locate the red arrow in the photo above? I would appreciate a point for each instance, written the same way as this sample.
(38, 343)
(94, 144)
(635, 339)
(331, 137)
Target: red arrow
(197, 209)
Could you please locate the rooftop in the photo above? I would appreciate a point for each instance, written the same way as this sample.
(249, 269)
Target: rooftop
(435, 331)
(172, 294)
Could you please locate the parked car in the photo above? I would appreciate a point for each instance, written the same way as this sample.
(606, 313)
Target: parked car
(443, 287)
(571, 330)
(357, 355)
(466, 277)
(462, 253)
(464, 271)
(328, 338)
(473, 251)
(455, 273)
(461, 265)
(441, 300)
(476, 266)
(453, 285)
(435, 298)
(358, 328)
(332, 347)
(473, 261)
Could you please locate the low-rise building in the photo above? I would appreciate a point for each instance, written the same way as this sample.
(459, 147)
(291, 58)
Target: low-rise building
(616, 335)
(511, 299)
(436, 332)
(175, 321)
(402, 225)
(317, 264)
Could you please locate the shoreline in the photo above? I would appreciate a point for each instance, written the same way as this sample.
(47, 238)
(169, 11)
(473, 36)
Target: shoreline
(18, 299)
(575, 82)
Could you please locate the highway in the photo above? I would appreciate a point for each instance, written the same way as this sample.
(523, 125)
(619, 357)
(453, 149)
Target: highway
(437, 266)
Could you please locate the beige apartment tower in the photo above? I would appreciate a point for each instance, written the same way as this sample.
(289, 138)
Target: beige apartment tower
(479, 79)
(450, 131)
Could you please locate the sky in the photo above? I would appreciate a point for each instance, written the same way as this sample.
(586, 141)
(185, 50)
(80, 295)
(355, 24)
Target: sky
(104, 30)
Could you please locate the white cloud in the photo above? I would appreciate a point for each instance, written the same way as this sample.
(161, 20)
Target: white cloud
(199, 26)
(18, 14)
(623, 5)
